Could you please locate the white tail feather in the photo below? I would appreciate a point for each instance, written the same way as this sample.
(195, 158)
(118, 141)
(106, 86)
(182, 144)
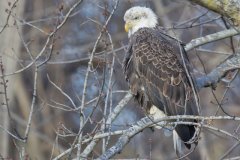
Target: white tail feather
(177, 142)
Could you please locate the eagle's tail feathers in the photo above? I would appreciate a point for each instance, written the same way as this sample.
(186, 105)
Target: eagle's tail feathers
(177, 143)
(184, 134)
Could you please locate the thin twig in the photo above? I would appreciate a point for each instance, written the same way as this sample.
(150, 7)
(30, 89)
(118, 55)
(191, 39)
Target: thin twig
(111, 117)
(86, 79)
(109, 89)
(32, 104)
(47, 41)
(62, 92)
(8, 17)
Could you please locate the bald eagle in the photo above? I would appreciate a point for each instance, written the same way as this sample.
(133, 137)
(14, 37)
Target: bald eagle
(154, 70)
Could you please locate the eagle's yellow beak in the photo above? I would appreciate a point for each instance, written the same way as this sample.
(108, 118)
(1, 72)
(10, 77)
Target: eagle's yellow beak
(127, 26)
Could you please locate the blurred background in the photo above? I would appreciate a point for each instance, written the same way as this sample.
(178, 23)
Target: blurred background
(24, 29)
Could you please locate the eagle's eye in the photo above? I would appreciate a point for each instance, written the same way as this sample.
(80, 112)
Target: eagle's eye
(136, 18)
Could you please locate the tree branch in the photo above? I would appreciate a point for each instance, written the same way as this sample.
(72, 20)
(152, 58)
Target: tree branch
(212, 78)
(47, 41)
(109, 120)
(95, 139)
(229, 8)
(149, 121)
(211, 38)
(231, 63)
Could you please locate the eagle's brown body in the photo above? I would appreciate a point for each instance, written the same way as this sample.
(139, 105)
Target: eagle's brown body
(156, 76)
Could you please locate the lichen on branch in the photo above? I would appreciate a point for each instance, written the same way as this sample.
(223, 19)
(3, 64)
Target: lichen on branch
(227, 8)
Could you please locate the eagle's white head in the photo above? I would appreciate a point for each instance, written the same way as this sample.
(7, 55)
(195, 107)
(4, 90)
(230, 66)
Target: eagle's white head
(139, 17)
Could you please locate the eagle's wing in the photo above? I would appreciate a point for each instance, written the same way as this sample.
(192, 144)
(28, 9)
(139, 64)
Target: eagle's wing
(162, 75)
(163, 78)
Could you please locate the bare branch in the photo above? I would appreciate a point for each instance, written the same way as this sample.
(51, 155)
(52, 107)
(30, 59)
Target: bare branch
(231, 63)
(87, 75)
(233, 158)
(32, 104)
(211, 38)
(63, 93)
(211, 79)
(47, 41)
(9, 13)
(110, 119)
(149, 121)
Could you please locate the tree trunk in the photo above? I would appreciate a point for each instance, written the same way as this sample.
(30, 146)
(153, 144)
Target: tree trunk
(10, 45)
